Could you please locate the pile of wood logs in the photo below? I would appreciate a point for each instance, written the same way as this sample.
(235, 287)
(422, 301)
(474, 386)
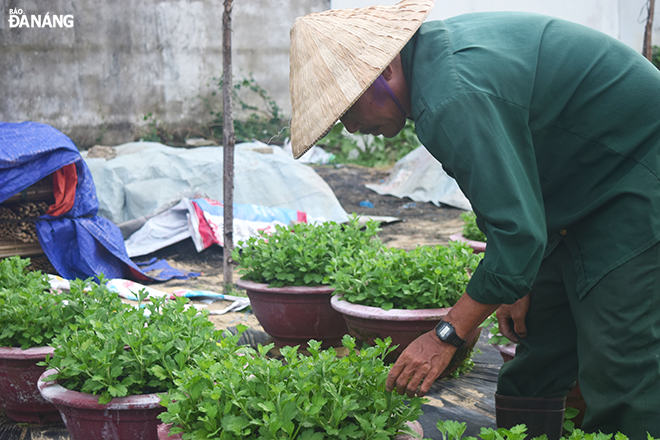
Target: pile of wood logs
(17, 220)
(42, 264)
(18, 217)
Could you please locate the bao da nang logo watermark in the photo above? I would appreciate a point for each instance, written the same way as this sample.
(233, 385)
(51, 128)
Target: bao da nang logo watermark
(18, 19)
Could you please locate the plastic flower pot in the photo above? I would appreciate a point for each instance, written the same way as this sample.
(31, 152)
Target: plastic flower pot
(124, 418)
(507, 351)
(367, 323)
(477, 246)
(19, 397)
(164, 432)
(294, 315)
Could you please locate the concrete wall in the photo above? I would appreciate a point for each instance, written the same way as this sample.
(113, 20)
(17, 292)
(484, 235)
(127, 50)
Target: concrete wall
(622, 19)
(123, 59)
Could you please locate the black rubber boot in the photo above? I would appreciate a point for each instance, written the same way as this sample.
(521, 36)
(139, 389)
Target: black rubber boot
(542, 415)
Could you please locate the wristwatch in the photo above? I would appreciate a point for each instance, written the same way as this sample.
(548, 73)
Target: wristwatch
(447, 333)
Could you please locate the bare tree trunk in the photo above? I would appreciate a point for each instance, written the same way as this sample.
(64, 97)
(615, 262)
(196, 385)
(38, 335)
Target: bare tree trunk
(228, 141)
(647, 50)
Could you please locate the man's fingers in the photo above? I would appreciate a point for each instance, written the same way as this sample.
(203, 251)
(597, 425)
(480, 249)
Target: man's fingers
(520, 327)
(408, 380)
(428, 382)
(402, 382)
(413, 385)
(418, 383)
(392, 376)
(507, 330)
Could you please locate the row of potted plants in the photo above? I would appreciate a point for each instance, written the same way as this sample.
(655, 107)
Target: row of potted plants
(345, 281)
(112, 351)
(113, 367)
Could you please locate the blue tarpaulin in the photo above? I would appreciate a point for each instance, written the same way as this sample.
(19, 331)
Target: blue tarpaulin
(78, 243)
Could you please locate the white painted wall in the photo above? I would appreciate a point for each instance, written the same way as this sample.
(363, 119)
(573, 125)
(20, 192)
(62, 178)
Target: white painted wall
(622, 19)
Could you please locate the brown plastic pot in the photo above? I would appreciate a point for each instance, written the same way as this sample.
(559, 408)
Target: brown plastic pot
(507, 351)
(19, 397)
(367, 323)
(124, 418)
(477, 246)
(164, 432)
(294, 315)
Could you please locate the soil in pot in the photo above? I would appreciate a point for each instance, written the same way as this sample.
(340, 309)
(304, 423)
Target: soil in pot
(294, 315)
(367, 324)
(124, 418)
(19, 397)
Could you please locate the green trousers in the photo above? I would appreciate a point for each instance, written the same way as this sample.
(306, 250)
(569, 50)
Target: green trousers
(609, 340)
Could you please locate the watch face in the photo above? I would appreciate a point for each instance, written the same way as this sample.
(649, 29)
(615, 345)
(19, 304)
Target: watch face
(445, 331)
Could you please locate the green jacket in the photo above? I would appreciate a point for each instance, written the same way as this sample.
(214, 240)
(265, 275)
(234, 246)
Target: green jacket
(552, 131)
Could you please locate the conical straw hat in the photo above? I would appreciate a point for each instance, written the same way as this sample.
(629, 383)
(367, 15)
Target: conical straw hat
(336, 55)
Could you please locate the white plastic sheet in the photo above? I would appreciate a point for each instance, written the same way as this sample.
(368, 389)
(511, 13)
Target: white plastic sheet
(159, 231)
(203, 221)
(420, 177)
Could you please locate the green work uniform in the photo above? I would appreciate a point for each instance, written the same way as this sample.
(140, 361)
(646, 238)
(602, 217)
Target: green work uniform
(552, 131)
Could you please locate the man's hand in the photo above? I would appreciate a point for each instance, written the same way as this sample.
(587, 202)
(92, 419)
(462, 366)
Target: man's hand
(515, 313)
(426, 357)
(420, 363)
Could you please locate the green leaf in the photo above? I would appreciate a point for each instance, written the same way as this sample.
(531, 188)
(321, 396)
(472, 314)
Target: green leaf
(268, 407)
(570, 413)
(159, 372)
(309, 434)
(198, 388)
(118, 390)
(235, 424)
(116, 371)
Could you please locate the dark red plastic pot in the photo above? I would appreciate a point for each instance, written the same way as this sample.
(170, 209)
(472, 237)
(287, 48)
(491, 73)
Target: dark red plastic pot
(19, 396)
(507, 351)
(477, 246)
(294, 315)
(124, 418)
(164, 432)
(404, 326)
